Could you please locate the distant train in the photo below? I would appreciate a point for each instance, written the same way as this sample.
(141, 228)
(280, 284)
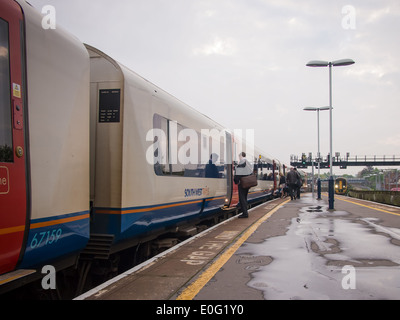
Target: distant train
(95, 160)
(340, 186)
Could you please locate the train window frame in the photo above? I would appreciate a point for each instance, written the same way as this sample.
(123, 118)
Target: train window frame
(6, 128)
(164, 159)
(216, 166)
(264, 170)
(176, 168)
(160, 151)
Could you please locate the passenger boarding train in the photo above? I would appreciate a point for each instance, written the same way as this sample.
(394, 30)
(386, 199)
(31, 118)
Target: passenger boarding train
(75, 184)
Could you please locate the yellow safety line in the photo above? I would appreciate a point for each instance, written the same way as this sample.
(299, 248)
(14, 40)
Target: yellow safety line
(191, 291)
(374, 208)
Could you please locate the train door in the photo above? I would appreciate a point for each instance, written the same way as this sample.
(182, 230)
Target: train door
(229, 169)
(274, 167)
(13, 185)
(235, 160)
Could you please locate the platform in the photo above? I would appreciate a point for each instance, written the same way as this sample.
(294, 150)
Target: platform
(285, 250)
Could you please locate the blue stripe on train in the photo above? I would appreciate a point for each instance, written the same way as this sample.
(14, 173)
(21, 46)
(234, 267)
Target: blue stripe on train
(56, 237)
(124, 225)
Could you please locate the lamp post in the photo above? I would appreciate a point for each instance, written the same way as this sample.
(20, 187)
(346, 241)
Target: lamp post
(319, 153)
(337, 63)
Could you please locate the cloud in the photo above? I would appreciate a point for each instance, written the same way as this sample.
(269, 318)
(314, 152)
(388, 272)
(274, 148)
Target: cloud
(393, 141)
(218, 46)
(280, 111)
(368, 70)
(376, 15)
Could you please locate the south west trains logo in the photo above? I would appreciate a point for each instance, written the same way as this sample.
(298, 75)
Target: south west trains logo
(199, 192)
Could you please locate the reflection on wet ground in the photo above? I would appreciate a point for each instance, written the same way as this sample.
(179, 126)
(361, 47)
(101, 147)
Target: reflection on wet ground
(326, 255)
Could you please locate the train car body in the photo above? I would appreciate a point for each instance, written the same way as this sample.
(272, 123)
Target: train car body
(139, 183)
(340, 186)
(157, 164)
(44, 209)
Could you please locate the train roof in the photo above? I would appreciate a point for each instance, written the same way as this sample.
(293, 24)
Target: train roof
(132, 76)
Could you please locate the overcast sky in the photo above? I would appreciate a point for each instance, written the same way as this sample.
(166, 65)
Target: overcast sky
(243, 64)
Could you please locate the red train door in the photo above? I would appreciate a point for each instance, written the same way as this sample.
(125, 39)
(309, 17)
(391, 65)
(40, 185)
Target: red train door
(13, 195)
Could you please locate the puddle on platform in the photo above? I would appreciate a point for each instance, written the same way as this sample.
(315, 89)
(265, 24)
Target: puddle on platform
(307, 261)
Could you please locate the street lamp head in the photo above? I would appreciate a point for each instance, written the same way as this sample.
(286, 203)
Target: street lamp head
(337, 63)
(316, 109)
(342, 62)
(317, 63)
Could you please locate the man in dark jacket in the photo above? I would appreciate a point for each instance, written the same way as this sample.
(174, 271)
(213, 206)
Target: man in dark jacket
(291, 180)
(298, 184)
(243, 169)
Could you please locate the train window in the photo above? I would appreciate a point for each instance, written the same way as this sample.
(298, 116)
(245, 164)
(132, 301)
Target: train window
(160, 142)
(264, 170)
(167, 146)
(215, 167)
(179, 151)
(176, 146)
(6, 154)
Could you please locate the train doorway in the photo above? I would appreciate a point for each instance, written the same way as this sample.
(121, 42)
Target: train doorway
(13, 178)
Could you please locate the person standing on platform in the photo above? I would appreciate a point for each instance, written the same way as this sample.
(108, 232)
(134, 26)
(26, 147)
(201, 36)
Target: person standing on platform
(298, 184)
(243, 169)
(291, 180)
(282, 185)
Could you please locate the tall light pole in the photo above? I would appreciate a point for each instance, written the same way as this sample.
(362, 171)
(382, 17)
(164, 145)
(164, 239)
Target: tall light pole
(337, 63)
(319, 152)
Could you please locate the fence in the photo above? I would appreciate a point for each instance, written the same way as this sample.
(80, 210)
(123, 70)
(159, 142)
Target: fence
(387, 197)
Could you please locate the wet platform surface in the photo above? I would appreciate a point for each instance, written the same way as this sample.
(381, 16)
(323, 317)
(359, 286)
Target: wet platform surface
(286, 250)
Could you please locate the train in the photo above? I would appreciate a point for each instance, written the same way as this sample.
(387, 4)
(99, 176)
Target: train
(340, 185)
(96, 161)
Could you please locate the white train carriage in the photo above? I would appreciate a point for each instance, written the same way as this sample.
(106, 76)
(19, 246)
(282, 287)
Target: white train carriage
(44, 209)
(154, 164)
